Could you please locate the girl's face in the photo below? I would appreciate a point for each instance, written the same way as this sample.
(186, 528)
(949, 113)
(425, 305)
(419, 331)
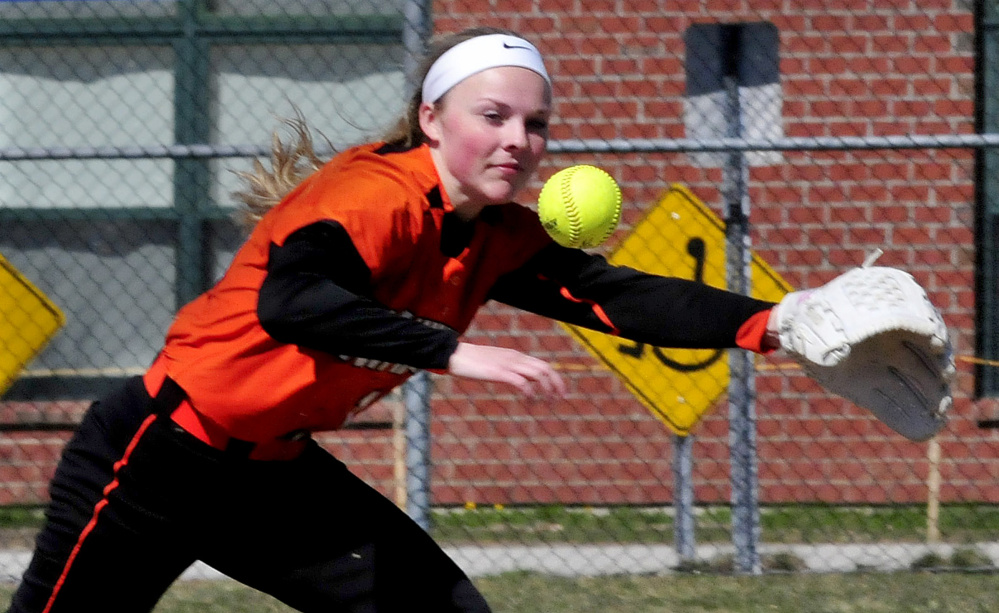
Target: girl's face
(487, 136)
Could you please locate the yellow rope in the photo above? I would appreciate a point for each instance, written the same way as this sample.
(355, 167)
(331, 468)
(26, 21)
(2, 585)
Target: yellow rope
(763, 367)
(973, 360)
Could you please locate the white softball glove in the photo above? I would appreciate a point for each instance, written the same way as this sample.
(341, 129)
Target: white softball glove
(872, 336)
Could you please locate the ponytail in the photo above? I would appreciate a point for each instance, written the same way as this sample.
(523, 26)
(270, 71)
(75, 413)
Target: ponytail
(290, 164)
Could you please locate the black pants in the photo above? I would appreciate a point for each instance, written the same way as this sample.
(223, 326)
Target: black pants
(136, 500)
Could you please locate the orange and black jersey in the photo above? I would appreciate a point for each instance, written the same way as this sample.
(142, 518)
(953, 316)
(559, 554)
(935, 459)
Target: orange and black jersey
(364, 274)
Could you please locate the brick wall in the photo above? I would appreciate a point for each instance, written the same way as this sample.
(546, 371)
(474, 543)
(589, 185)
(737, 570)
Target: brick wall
(855, 69)
(847, 69)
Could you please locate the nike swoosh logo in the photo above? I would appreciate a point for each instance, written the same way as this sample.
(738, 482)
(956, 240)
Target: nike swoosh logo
(509, 46)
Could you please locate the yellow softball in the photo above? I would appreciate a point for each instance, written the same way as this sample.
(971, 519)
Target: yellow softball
(580, 206)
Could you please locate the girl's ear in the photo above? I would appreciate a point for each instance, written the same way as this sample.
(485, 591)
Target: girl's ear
(429, 121)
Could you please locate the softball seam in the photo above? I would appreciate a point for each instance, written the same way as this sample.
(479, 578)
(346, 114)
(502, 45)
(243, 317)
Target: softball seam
(571, 211)
(617, 210)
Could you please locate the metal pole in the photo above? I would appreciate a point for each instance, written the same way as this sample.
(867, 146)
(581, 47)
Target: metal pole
(933, 492)
(742, 392)
(683, 497)
(416, 29)
(985, 142)
(416, 398)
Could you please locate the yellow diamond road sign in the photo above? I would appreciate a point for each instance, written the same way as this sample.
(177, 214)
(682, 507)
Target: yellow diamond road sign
(28, 319)
(679, 237)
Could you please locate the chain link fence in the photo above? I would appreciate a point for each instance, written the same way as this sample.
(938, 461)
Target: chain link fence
(799, 137)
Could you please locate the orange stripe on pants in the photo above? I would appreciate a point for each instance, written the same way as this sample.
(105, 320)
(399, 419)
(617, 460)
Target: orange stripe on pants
(97, 510)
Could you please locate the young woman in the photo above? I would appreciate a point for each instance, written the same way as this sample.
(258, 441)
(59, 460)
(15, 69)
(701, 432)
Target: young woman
(354, 277)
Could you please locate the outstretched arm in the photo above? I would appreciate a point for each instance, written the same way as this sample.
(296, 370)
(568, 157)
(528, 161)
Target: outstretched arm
(585, 290)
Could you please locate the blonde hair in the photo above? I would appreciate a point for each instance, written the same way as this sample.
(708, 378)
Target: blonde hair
(291, 162)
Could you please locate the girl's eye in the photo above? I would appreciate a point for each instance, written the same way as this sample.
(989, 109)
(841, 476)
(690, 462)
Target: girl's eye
(537, 124)
(493, 117)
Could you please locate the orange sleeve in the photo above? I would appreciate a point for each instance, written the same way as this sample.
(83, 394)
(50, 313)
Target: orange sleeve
(753, 332)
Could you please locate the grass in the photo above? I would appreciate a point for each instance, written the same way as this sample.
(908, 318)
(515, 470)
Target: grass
(706, 588)
(200, 597)
(21, 517)
(960, 523)
(967, 523)
(868, 593)
(532, 593)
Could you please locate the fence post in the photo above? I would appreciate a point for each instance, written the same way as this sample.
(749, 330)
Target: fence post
(416, 29)
(416, 398)
(742, 393)
(933, 491)
(683, 497)
(416, 390)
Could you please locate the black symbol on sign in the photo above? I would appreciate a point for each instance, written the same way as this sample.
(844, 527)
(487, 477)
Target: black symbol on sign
(695, 247)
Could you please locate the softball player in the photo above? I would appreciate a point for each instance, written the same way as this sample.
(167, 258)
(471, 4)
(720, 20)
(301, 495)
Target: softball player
(366, 271)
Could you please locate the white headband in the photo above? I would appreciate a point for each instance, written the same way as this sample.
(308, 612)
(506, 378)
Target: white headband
(475, 55)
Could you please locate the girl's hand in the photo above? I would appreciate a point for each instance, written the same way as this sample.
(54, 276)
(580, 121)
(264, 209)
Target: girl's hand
(532, 377)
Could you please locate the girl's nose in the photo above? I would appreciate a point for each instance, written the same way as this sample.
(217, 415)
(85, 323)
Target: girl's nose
(515, 135)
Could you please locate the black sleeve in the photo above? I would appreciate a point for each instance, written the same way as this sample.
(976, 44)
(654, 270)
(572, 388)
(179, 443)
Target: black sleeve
(583, 289)
(317, 295)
